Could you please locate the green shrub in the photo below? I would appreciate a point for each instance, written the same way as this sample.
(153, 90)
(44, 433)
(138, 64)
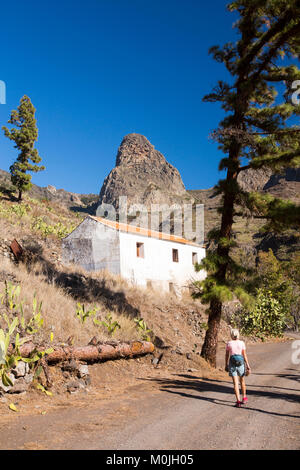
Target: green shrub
(16, 210)
(266, 318)
(13, 324)
(60, 230)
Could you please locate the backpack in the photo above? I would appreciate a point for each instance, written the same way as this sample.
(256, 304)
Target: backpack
(237, 360)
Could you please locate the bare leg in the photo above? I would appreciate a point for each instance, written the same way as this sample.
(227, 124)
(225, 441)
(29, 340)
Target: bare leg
(243, 386)
(236, 387)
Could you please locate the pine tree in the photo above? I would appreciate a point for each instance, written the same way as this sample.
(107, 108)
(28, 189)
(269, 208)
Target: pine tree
(25, 134)
(256, 133)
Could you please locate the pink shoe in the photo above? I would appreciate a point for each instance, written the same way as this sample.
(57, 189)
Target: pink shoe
(238, 404)
(245, 399)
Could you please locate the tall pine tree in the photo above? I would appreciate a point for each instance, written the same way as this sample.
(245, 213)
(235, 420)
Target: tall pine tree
(25, 134)
(257, 132)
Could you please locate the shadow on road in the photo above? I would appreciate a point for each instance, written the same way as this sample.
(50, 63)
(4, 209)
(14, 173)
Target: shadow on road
(295, 377)
(184, 383)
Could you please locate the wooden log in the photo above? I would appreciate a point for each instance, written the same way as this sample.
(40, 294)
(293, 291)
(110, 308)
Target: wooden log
(91, 353)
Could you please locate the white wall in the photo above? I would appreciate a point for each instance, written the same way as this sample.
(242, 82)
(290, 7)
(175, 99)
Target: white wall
(93, 246)
(158, 265)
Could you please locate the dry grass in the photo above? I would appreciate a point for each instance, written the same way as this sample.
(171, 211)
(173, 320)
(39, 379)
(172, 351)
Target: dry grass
(174, 322)
(171, 320)
(40, 217)
(59, 309)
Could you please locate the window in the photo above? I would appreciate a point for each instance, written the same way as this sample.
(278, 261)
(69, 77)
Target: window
(140, 250)
(194, 258)
(175, 255)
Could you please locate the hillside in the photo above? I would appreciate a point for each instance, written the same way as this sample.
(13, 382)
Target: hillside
(177, 325)
(46, 215)
(72, 201)
(247, 231)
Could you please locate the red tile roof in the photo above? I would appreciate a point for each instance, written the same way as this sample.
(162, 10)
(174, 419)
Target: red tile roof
(142, 231)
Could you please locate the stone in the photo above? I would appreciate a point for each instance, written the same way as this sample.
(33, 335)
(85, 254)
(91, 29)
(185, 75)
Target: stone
(70, 366)
(83, 370)
(87, 380)
(51, 189)
(20, 370)
(28, 378)
(72, 385)
(188, 356)
(81, 383)
(20, 386)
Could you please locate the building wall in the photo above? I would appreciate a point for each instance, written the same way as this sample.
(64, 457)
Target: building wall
(157, 268)
(93, 246)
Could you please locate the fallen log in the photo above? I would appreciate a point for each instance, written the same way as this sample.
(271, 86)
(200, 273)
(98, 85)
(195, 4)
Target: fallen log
(91, 353)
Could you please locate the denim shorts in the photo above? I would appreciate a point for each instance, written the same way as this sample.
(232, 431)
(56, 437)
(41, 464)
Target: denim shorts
(236, 370)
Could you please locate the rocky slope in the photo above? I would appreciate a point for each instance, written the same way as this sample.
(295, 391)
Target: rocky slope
(50, 193)
(143, 175)
(247, 231)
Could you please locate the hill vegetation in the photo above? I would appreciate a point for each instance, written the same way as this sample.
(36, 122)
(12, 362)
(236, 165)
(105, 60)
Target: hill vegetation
(77, 305)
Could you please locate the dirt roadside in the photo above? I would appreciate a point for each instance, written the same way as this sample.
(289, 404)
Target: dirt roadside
(140, 407)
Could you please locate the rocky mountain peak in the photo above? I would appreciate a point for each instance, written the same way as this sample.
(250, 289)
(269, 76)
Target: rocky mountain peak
(143, 175)
(136, 148)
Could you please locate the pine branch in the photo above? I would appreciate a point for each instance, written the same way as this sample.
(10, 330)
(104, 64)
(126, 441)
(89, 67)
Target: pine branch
(267, 37)
(274, 49)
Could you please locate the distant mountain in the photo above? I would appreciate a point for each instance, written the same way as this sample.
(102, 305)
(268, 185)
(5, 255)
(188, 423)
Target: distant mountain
(50, 192)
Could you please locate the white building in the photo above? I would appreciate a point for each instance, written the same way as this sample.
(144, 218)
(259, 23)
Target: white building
(144, 257)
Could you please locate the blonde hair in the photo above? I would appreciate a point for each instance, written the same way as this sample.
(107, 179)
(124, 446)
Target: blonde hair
(235, 334)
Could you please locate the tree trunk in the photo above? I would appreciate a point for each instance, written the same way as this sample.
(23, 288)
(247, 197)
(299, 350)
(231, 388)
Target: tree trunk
(209, 348)
(20, 195)
(90, 353)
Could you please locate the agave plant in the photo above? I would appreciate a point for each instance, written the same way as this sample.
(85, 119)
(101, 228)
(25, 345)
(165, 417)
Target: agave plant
(142, 327)
(110, 325)
(83, 314)
(7, 361)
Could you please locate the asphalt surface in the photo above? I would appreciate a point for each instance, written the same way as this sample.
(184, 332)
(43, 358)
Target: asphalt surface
(182, 412)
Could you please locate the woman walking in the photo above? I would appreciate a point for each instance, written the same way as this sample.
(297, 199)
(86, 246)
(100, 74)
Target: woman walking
(236, 362)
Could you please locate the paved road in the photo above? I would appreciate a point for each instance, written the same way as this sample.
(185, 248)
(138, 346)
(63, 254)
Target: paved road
(185, 412)
(198, 414)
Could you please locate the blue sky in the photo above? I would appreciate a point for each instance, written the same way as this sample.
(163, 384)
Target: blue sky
(97, 70)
